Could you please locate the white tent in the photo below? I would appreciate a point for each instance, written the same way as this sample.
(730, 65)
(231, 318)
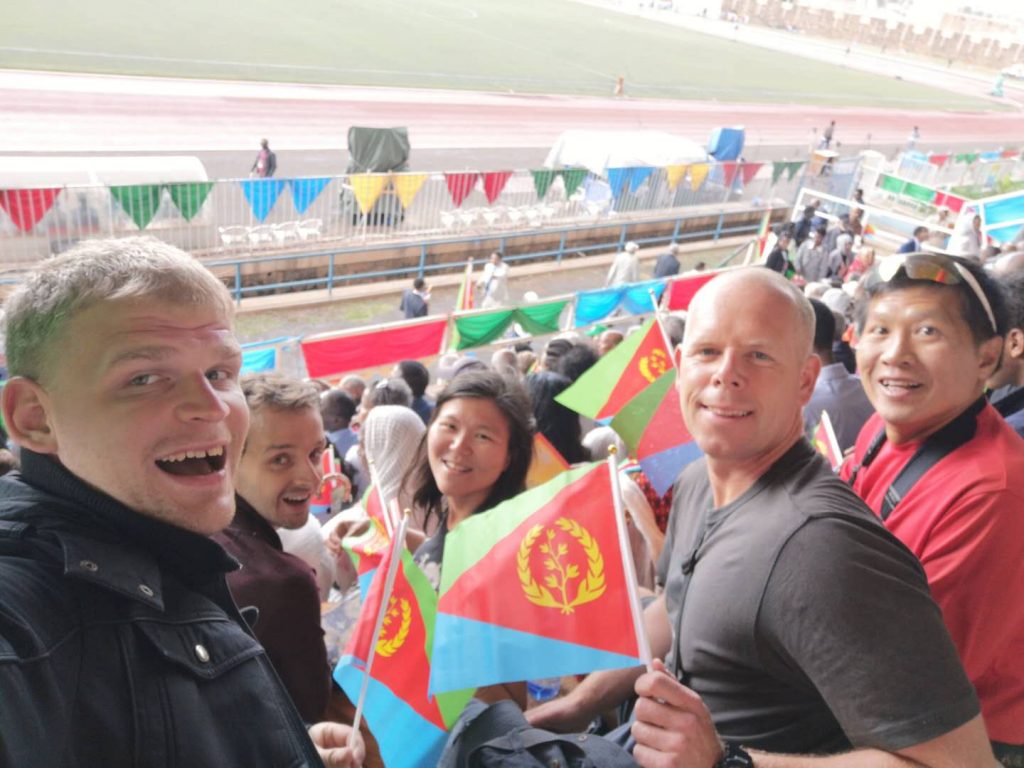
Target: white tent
(598, 151)
(26, 172)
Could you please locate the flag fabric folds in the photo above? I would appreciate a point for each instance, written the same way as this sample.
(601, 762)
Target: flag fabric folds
(532, 587)
(572, 178)
(258, 360)
(336, 355)
(460, 185)
(682, 290)
(367, 549)
(635, 298)
(367, 189)
(139, 201)
(305, 191)
(262, 194)
(27, 206)
(546, 463)
(542, 181)
(410, 725)
(652, 425)
(494, 183)
(620, 375)
(825, 441)
(475, 330)
(189, 197)
(408, 185)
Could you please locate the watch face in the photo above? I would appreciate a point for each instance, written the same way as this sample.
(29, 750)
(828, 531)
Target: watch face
(735, 757)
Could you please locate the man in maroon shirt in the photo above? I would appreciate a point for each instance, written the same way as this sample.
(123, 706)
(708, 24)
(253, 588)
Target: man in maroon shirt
(279, 473)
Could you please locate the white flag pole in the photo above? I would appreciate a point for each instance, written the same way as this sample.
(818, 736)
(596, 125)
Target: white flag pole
(632, 588)
(397, 545)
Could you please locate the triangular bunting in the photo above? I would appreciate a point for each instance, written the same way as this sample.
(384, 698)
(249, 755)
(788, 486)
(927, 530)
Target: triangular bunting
(793, 168)
(407, 185)
(542, 181)
(939, 160)
(729, 171)
(749, 170)
(305, 191)
(638, 177)
(27, 206)
(778, 168)
(262, 194)
(139, 201)
(698, 172)
(494, 182)
(674, 174)
(617, 178)
(572, 178)
(460, 185)
(367, 187)
(189, 198)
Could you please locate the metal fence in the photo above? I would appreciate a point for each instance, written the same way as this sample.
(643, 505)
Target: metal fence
(241, 218)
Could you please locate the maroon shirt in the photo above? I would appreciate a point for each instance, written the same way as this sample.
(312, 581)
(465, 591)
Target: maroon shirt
(284, 590)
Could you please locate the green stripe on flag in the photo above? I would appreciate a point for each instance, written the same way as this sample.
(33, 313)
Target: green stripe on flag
(631, 422)
(475, 536)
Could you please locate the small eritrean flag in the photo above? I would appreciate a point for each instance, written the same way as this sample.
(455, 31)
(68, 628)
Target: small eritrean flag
(620, 375)
(546, 463)
(463, 301)
(366, 551)
(533, 587)
(410, 726)
(330, 471)
(762, 235)
(651, 424)
(825, 441)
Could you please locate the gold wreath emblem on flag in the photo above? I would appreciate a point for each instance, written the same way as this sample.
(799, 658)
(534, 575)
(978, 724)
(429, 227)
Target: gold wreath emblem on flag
(400, 611)
(653, 365)
(377, 541)
(563, 576)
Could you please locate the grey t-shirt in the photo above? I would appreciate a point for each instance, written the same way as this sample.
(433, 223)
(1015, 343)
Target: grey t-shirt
(806, 626)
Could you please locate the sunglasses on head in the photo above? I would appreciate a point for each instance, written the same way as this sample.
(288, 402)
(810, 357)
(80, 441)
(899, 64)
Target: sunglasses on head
(933, 268)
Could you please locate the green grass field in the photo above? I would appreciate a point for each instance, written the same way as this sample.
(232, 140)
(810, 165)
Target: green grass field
(535, 46)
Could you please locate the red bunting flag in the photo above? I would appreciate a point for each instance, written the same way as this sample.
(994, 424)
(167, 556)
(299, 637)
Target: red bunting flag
(337, 354)
(939, 160)
(682, 291)
(494, 183)
(1008, 153)
(729, 171)
(749, 170)
(952, 202)
(27, 206)
(460, 185)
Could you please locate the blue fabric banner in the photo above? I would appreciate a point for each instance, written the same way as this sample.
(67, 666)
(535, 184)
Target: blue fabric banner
(637, 298)
(990, 155)
(638, 177)
(262, 194)
(617, 178)
(305, 191)
(259, 360)
(1004, 211)
(1005, 234)
(592, 306)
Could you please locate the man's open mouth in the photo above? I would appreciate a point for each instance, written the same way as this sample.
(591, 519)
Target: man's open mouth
(194, 463)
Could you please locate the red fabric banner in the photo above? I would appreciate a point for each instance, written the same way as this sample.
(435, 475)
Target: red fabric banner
(358, 351)
(1009, 153)
(952, 202)
(729, 171)
(494, 182)
(27, 206)
(682, 291)
(939, 160)
(460, 185)
(749, 170)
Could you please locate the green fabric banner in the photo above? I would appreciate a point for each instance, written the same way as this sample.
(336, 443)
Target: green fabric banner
(477, 330)
(778, 168)
(919, 192)
(189, 197)
(892, 184)
(572, 178)
(793, 168)
(139, 201)
(966, 157)
(542, 181)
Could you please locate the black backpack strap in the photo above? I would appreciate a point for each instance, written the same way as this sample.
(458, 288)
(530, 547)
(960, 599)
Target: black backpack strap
(869, 455)
(933, 450)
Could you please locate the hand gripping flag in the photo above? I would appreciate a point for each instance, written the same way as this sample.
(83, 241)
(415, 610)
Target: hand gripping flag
(620, 375)
(536, 587)
(651, 424)
(825, 442)
(410, 726)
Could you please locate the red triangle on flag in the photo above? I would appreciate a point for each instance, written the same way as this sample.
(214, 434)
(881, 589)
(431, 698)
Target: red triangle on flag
(460, 185)
(749, 170)
(651, 359)
(494, 183)
(27, 206)
(729, 171)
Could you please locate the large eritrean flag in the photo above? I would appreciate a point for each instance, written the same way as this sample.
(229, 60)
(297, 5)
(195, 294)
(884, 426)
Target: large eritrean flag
(410, 726)
(652, 425)
(620, 375)
(535, 587)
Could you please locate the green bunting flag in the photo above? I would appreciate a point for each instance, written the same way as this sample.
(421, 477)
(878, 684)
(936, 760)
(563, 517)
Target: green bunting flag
(778, 168)
(140, 201)
(572, 178)
(189, 198)
(793, 168)
(542, 181)
(478, 329)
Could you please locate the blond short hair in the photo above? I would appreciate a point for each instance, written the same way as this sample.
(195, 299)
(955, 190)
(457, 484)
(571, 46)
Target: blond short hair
(280, 392)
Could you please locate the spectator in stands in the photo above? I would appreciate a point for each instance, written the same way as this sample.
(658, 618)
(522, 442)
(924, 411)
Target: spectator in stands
(1007, 384)
(416, 300)
(131, 421)
(778, 260)
(966, 237)
(494, 282)
(625, 267)
(762, 539)
(913, 138)
(916, 243)
(278, 475)
(667, 264)
(526, 361)
(855, 226)
(675, 327)
(837, 392)
(840, 259)
(265, 164)
(832, 235)
(862, 263)
(337, 410)
(942, 468)
(827, 134)
(812, 259)
(354, 386)
(416, 375)
(553, 352)
(557, 423)
(803, 228)
(390, 391)
(608, 340)
(389, 440)
(576, 361)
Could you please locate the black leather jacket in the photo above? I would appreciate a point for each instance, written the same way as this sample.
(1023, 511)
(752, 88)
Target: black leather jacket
(120, 644)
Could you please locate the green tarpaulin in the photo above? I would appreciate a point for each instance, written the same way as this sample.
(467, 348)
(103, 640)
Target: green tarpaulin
(476, 330)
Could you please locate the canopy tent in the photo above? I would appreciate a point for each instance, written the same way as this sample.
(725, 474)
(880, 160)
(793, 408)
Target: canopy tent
(598, 151)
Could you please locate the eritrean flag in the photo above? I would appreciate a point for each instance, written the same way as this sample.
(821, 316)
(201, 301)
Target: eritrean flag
(546, 462)
(410, 726)
(330, 470)
(652, 425)
(463, 300)
(825, 442)
(536, 587)
(620, 375)
(367, 549)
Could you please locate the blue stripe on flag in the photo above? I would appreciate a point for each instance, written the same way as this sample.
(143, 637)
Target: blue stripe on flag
(663, 468)
(502, 655)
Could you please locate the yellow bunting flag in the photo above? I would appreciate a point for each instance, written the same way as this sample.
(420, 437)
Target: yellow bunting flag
(367, 187)
(407, 185)
(675, 174)
(698, 172)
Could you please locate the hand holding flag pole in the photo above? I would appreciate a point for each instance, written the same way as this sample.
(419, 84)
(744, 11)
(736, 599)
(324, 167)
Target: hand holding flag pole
(389, 583)
(643, 643)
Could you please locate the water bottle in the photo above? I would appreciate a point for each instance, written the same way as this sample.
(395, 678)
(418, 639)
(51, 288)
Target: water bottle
(544, 689)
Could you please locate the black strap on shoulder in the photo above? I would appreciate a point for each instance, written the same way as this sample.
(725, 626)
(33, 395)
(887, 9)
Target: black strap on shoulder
(1010, 404)
(933, 450)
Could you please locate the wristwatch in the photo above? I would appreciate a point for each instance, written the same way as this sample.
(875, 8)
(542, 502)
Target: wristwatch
(735, 757)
